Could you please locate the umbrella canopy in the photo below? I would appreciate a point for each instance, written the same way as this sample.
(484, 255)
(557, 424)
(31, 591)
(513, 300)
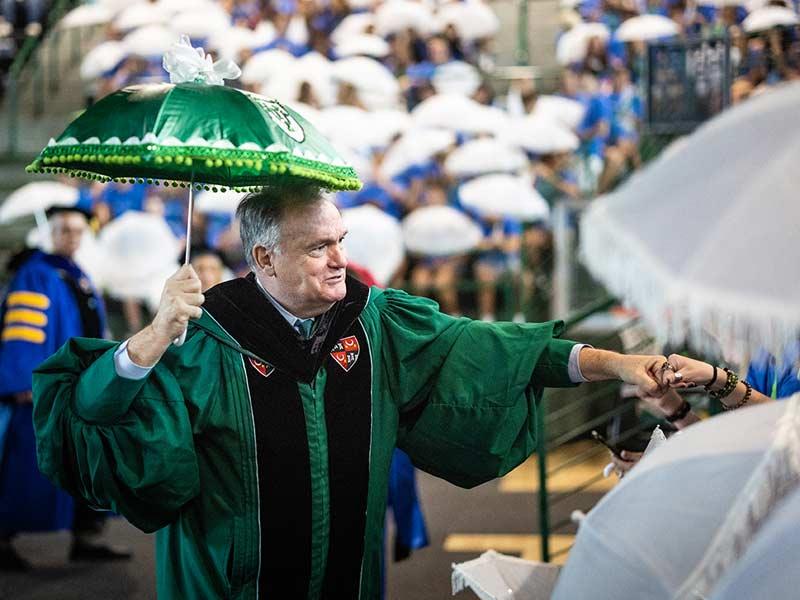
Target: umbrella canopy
(459, 113)
(768, 17)
(151, 41)
(230, 42)
(221, 202)
(86, 15)
(415, 147)
(201, 23)
(722, 278)
(102, 58)
(398, 15)
(372, 80)
(456, 77)
(440, 231)
(472, 20)
(263, 66)
(374, 241)
(566, 111)
(572, 46)
(541, 136)
(362, 130)
(37, 197)
(683, 491)
(495, 576)
(140, 15)
(646, 27)
(504, 196)
(482, 156)
(353, 24)
(140, 249)
(365, 44)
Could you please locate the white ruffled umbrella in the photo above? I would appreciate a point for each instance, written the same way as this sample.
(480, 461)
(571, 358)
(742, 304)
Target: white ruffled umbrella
(703, 241)
(473, 20)
(566, 111)
(365, 44)
(102, 58)
(572, 46)
(33, 198)
(86, 15)
(732, 471)
(646, 27)
(203, 23)
(374, 241)
(440, 231)
(482, 156)
(264, 65)
(221, 202)
(768, 17)
(495, 576)
(456, 77)
(398, 15)
(415, 147)
(541, 136)
(504, 196)
(140, 15)
(150, 41)
(459, 113)
(351, 25)
(140, 249)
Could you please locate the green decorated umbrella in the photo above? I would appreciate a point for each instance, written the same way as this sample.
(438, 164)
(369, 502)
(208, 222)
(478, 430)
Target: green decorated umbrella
(194, 132)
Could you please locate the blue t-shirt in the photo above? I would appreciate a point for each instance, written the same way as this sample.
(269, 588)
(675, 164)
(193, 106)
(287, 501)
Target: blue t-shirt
(598, 110)
(123, 197)
(770, 379)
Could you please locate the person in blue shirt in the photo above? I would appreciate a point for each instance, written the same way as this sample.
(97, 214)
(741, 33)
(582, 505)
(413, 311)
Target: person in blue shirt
(776, 379)
(593, 131)
(49, 300)
(623, 139)
(115, 199)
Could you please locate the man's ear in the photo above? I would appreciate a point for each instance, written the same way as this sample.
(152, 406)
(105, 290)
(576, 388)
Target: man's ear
(263, 259)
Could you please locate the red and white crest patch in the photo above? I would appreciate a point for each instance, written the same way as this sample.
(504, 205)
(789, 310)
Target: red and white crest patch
(346, 351)
(264, 369)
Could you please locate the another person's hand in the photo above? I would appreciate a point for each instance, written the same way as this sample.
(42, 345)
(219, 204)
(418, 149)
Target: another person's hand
(688, 372)
(181, 300)
(626, 461)
(644, 372)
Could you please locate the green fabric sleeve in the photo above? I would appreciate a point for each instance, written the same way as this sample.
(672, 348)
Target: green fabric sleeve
(466, 390)
(120, 444)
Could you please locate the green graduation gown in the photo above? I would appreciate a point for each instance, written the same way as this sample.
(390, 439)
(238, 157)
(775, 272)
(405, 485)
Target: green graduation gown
(262, 459)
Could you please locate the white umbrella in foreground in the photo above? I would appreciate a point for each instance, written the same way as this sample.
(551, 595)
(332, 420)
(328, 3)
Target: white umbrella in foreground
(769, 17)
(140, 249)
(37, 197)
(494, 576)
(374, 241)
(504, 196)
(650, 533)
(440, 231)
(703, 241)
(482, 156)
(647, 27)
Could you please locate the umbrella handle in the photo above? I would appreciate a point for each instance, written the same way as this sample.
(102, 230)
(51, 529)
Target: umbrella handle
(179, 341)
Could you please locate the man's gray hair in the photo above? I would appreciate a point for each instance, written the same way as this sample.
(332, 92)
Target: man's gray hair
(260, 215)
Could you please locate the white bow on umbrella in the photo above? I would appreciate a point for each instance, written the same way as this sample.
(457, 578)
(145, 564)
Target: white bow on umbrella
(769, 17)
(374, 241)
(440, 231)
(484, 155)
(504, 196)
(703, 241)
(647, 27)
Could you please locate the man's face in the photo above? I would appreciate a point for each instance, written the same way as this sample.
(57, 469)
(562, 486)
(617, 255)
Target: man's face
(209, 269)
(308, 274)
(67, 230)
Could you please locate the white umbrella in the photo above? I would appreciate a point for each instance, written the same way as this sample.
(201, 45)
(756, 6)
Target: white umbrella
(102, 58)
(179, 6)
(117, 6)
(495, 576)
(566, 111)
(264, 65)
(284, 85)
(472, 20)
(769, 17)
(572, 45)
(223, 202)
(140, 15)
(459, 113)
(150, 41)
(440, 231)
(376, 85)
(37, 197)
(506, 196)
(721, 276)
(309, 113)
(201, 23)
(398, 15)
(456, 77)
(139, 248)
(345, 125)
(354, 24)
(364, 44)
(374, 241)
(86, 15)
(482, 156)
(541, 136)
(297, 32)
(230, 42)
(385, 125)
(652, 530)
(415, 147)
(647, 27)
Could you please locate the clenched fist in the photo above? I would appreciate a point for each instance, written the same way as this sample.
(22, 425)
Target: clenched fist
(180, 301)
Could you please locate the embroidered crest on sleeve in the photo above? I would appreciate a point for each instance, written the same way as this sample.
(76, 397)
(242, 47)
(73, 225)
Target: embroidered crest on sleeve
(346, 352)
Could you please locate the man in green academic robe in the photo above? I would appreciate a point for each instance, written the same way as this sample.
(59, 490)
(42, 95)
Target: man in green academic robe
(260, 449)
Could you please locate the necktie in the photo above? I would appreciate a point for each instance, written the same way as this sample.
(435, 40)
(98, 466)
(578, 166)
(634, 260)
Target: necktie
(304, 327)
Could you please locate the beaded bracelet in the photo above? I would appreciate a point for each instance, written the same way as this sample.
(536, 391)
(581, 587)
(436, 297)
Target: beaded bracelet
(730, 385)
(743, 401)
